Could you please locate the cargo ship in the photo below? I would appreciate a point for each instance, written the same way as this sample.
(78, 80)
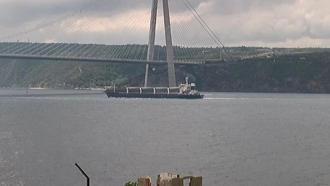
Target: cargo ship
(184, 91)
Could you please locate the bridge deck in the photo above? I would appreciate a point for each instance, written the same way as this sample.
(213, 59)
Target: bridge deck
(97, 53)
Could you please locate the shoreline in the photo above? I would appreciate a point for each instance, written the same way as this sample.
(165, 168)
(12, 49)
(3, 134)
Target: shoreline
(101, 91)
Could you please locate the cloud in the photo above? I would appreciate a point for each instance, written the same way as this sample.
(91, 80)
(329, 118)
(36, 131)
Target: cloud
(271, 23)
(287, 23)
(115, 23)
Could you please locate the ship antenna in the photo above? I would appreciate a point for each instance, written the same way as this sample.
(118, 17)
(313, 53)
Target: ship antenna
(83, 173)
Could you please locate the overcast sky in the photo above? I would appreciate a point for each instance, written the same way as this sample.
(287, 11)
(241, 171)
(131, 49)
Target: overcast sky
(273, 23)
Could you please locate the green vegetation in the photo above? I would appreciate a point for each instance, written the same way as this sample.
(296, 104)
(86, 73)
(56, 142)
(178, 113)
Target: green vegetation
(65, 74)
(131, 184)
(299, 73)
(276, 70)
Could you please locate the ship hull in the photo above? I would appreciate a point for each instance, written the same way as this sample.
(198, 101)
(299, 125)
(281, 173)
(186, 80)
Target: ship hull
(157, 96)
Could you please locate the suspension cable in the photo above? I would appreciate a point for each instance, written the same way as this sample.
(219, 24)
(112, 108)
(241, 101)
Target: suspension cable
(205, 26)
(202, 22)
(36, 28)
(45, 24)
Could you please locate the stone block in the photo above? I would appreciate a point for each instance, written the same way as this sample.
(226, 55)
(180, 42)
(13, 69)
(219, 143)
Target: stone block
(196, 181)
(144, 181)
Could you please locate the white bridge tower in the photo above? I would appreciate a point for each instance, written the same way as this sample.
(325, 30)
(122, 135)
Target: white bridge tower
(168, 38)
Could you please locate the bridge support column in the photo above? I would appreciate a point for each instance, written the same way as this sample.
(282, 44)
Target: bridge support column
(169, 45)
(152, 34)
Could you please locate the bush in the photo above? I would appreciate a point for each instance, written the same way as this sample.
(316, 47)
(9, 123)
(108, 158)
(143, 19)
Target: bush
(131, 184)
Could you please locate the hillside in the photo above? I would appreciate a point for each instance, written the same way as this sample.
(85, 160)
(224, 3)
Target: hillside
(262, 70)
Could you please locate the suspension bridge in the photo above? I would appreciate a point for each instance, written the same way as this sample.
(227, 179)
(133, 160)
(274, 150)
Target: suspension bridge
(132, 54)
(149, 54)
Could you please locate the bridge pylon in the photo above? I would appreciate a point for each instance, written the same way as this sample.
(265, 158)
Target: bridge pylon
(168, 38)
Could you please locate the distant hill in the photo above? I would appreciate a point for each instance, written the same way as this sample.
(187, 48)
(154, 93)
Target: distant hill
(261, 70)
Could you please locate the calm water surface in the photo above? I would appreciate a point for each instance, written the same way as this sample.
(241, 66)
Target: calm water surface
(233, 139)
